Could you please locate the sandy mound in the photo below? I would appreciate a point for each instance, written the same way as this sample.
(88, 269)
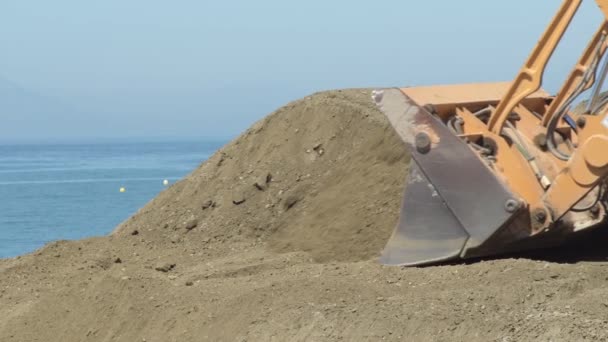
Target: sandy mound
(323, 175)
(275, 238)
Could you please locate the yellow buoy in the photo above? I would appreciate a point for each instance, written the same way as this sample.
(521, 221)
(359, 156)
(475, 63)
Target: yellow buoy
(166, 182)
(122, 189)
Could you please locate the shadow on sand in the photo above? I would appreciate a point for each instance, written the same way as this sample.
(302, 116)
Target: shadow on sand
(586, 247)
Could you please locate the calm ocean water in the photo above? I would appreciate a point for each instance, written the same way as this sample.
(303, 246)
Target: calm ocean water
(52, 192)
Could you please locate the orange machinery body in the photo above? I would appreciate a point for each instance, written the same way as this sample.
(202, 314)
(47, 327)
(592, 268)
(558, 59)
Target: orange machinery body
(480, 146)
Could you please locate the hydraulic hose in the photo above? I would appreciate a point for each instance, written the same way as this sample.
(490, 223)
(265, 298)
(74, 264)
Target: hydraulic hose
(590, 72)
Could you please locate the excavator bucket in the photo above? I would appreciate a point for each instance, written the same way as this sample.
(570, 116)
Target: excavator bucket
(452, 202)
(503, 167)
(458, 204)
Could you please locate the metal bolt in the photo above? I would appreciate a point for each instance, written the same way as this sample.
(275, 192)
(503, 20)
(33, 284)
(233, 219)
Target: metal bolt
(541, 141)
(540, 216)
(423, 143)
(511, 205)
(581, 122)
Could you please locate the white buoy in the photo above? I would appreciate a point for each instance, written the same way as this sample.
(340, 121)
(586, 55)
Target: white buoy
(166, 182)
(122, 189)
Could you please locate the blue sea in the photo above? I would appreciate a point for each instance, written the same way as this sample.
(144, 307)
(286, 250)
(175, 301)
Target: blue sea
(71, 191)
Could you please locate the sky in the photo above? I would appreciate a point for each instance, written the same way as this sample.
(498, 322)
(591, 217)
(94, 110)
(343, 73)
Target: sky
(122, 69)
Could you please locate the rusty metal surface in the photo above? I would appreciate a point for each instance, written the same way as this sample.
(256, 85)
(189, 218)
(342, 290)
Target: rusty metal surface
(469, 189)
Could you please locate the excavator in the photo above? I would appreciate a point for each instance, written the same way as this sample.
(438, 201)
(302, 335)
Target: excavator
(503, 167)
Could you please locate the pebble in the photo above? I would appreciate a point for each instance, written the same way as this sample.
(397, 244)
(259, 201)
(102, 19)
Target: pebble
(238, 199)
(208, 204)
(191, 224)
(165, 268)
(175, 238)
(290, 202)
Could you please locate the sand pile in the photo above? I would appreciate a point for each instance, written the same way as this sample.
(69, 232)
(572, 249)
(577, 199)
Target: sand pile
(323, 175)
(275, 238)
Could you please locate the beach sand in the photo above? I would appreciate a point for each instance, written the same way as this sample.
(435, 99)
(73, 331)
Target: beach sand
(276, 238)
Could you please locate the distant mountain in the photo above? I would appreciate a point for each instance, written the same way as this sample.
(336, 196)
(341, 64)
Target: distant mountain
(26, 115)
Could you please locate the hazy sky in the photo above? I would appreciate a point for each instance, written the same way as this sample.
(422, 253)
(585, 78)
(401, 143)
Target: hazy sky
(135, 68)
